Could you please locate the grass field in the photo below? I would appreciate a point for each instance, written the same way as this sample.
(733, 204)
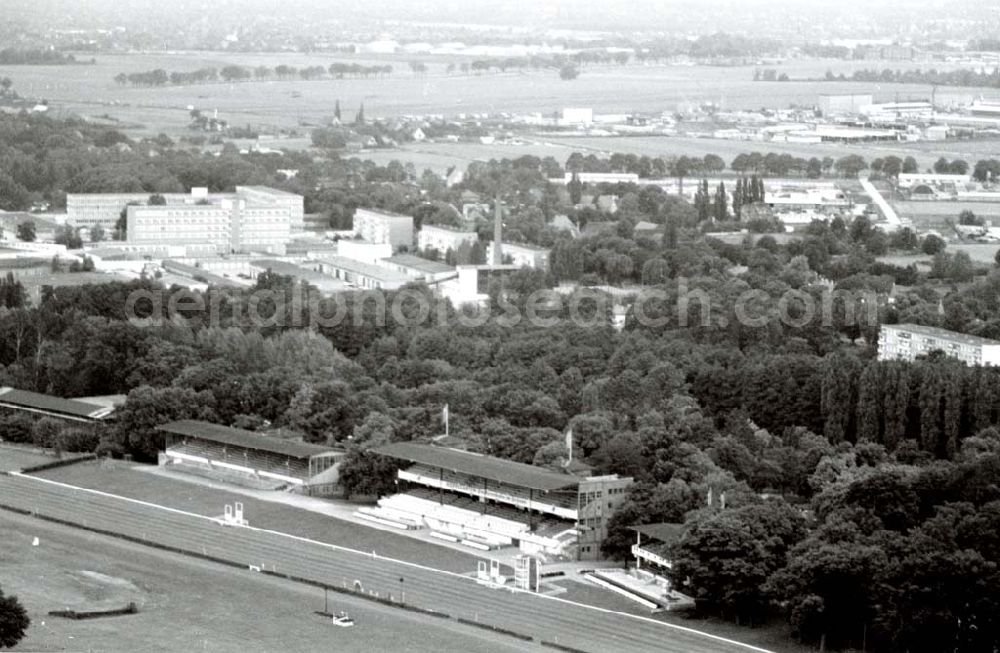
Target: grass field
(13, 458)
(203, 500)
(934, 214)
(189, 605)
(90, 89)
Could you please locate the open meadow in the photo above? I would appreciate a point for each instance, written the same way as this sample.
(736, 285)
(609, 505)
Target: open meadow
(13, 458)
(90, 89)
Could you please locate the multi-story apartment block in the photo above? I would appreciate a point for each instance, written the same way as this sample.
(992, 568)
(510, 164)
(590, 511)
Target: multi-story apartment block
(383, 227)
(908, 341)
(253, 218)
(104, 209)
(521, 255)
(442, 239)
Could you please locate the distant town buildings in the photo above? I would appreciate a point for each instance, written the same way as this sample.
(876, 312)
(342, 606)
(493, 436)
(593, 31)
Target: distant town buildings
(441, 238)
(419, 269)
(576, 116)
(384, 227)
(598, 178)
(254, 218)
(363, 275)
(908, 341)
(104, 209)
(522, 255)
(844, 104)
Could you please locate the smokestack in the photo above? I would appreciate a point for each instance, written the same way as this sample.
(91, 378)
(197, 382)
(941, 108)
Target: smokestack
(498, 235)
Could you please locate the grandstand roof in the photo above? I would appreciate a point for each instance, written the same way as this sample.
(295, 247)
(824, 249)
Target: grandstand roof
(664, 532)
(56, 406)
(465, 462)
(242, 438)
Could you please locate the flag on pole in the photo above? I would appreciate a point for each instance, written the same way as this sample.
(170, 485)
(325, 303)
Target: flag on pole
(709, 497)
(722, 501)
(569, 444)
(444, 416)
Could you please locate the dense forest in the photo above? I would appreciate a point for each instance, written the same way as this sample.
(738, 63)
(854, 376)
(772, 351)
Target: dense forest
(861, 497)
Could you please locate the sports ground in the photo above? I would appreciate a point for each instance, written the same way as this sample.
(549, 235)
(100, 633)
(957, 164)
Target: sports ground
(537, 617)
(192, 605)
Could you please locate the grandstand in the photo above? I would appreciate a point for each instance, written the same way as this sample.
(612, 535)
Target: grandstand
(249, 458)
(37, 404)
(489, 503)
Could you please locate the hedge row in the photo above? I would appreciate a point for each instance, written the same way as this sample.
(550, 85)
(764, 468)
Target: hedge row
(131, 608)
(62, 462)
(496, 629)
(562, 647)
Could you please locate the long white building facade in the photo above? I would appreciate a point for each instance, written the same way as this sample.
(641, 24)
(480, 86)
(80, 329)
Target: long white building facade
(91, 209)
(908, 341)
(254, 218)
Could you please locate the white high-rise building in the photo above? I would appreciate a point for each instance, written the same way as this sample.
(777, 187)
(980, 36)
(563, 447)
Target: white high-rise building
(104, 209)
(254, 218)
(384, 227)
(908, 341)
(442, 239)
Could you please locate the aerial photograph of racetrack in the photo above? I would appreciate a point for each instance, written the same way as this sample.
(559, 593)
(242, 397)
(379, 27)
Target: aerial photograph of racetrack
(581, 326)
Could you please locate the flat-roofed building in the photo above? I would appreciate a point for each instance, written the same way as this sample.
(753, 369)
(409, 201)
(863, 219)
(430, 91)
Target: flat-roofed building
(324, 283)
(909, 341)
(843, 104)
(364, 250)
(441, 239)
(42, 405)
(363, 275)
(522, 255)
(419, 268)
(598, 178)
(254, 218)
(378, 226)
(910, 179)
(104, 209)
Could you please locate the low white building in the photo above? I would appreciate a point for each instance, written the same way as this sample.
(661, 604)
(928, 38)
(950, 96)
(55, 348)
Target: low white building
(419, 269)
(598, 178)
(576, 116)
(364, 251)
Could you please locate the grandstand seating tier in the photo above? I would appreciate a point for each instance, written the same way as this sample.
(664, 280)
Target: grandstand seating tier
(236, 477)
(550, 502)
(261, 461)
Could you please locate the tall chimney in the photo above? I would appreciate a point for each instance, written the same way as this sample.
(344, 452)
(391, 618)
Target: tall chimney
(498, 234)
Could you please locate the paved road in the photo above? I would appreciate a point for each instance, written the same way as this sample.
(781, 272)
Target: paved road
(887, 211)
(551, 619)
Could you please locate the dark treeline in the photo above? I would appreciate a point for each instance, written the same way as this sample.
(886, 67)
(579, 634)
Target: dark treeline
(771, 164)
(38, 56)
(234, 73)
(917, 76)
(893, 543)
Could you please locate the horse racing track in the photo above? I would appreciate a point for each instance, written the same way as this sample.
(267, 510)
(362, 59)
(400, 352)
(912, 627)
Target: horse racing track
(539, 618)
